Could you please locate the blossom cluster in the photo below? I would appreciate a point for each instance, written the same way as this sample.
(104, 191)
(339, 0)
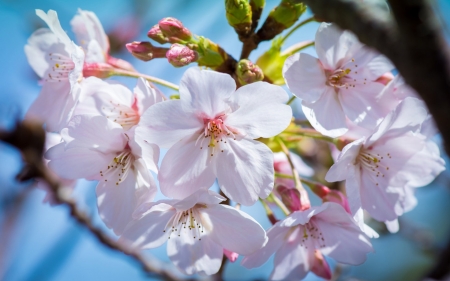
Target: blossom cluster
(221, 131)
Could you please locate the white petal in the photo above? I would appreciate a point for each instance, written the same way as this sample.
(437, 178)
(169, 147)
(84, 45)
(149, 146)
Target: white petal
(205, 197)
(326, 115)
(51, 19)
(149, 231)
(305, 76)
(42, 42)
(146, 95)
(392, 226)
(206, 91)
(141, 148)
(245, 171)
(94, 53)
(262, 110)
(185, 169)
(341, 168)
(234, 230)
(87, 27)
(202, 256)
(343, 239)
(77, 162)
(276, 238)
(94, 132)
(167, 122)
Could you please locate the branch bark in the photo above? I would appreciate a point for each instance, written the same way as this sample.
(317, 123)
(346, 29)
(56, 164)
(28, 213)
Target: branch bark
(412, 40)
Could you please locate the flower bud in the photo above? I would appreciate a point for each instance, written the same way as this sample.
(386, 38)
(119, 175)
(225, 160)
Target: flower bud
(232, 256)
(385, 78)
(97, 69)
(174, 30)
(145, 50)
(320, 266)
(337, 197)
(156, 34)
(247, 72)
(180, 55)
(239, 16)
(294, 199)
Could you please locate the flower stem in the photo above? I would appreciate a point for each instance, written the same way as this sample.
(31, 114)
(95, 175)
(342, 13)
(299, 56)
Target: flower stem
(280, 204)
(269, 212)
(299, 133)
(296, 178)
(309, 183)
(297, 48)
(126, 73)
(300, 24)
(291, 100)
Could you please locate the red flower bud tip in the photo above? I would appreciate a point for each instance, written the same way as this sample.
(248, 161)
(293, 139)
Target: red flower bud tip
(174, 29)
(320, 266)
(293, 199)
(145, 50)
(385, 78)
(337, 197)
(156, 34)
(232, 256)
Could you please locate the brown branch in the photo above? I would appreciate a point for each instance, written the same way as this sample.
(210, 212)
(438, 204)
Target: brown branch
(412, 41)
(29, 138)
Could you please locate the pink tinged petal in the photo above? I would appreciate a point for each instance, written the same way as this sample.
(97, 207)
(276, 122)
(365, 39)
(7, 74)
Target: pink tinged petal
(407, 116)
(410, 201)
(141, 148)
(51, 19)
(94, 53)
(353, 190)
(116, 203)
(276, 238)
(77, 162)
(305, 76)
(185, 169)
(301, 217)
(262, 110)
(54, 105)
(341, 168)
(192, 256)
(360, 104)
(203, 197)
(149, 231)
(94, 132)
(206, 91)
(392, 226)
(231, 256)
(326, 114)
(343, 239)
(106, 92)
(40, 43)
(334, 46)
(166, 123)
(146, 185)
(146, 95)
(292, 261)
(245, 171)
(320, 266)
(87, 27)
(234, 230)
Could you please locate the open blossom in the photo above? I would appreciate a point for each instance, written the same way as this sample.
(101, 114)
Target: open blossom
(59, 63)
(97, 148)
(300, 240)
(380, 168)
(116, 102)
(211, 130)
(340, 83)
(197, 229)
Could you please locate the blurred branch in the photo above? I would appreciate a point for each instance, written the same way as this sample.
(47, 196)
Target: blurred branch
(29, 138)
(412, 40)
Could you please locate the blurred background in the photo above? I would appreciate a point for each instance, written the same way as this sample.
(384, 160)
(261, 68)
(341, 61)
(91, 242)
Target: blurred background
(40, 242)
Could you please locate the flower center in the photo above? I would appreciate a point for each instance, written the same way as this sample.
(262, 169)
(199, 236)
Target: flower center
(311, 236)
(187, 222)
(341, 77)
(61, 67)
(121, 114)
(374, 163)
(118, 168)
(217, 132)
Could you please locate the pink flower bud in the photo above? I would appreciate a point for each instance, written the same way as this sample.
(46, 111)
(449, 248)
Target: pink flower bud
(337, 197)
(174, 30)
(232, 256)
(293, 199)
(248, 72)
(156, 34)
(179, 55)
(385, 78)
(100, 70)
(320, 266)
(145, 50)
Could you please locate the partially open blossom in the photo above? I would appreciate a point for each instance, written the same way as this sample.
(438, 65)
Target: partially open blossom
(378, 168)
(210, 131)
(180, 55)
(59, 63)
(300, 239)
(156, 34)
(96, 148)
(197, 229)
(145, 50)
(293, 199)
(174, 30)
(340, 83)
(247, 72)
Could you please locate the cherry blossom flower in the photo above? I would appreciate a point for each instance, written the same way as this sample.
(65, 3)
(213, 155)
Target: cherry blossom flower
(211, 130)
(197, 229)
(378, 168)
(116, 102)
(340, 83)
(59, 63)
(300, 240)
(97, 148)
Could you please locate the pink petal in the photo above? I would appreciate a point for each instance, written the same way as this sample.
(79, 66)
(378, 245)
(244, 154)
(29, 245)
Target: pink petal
(87, 27)
(305, 76)
(141, 148)
(235, 230)
(262, 110)
(146, 95)
(245, 171)
(40, 43)
(341, 168)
